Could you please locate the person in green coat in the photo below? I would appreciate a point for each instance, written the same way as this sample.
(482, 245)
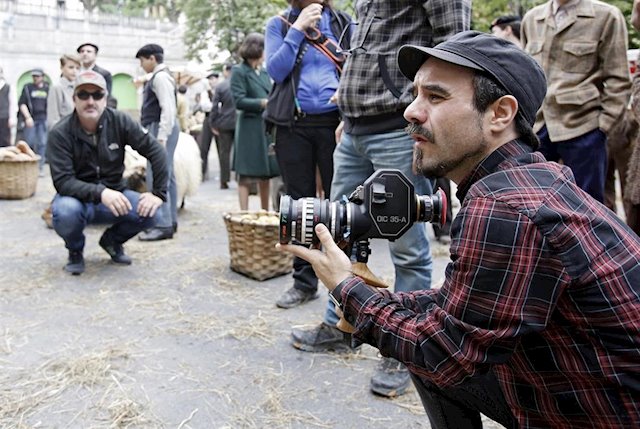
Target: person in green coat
(250, 86)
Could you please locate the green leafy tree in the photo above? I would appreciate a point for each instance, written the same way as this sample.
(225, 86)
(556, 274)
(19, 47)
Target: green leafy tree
(225, 22)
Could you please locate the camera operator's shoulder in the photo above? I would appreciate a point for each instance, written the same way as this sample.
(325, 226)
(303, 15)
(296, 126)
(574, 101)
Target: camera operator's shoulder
(522, 187)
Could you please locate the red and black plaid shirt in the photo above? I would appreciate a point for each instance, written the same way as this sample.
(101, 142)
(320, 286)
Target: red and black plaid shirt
(543, 287)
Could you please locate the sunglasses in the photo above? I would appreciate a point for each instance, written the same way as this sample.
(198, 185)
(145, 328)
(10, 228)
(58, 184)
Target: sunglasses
(84, 95)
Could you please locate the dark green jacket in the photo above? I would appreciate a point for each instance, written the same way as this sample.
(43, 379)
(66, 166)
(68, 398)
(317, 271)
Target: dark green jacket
(249, 88)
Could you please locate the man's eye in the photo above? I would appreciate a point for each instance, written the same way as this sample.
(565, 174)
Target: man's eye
(435, 97)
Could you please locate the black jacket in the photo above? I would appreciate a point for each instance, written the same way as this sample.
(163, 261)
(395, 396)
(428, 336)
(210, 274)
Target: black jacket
(223, 112)
(106, 74)
(82, 169)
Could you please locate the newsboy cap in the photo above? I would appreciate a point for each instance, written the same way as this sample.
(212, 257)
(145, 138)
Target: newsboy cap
(504, 20)
(37, 72)
(511, 67)
(93, 45)
(148, 50)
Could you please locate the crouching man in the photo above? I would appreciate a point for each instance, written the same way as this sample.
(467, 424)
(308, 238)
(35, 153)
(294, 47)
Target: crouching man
(86, 156)
(537, 323)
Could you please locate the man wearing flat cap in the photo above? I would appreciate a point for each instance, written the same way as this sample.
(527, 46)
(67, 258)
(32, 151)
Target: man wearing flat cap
(537, 323)
(86, 156)
(88, 53)
(507, 27)
(33, 111)
(158, 115)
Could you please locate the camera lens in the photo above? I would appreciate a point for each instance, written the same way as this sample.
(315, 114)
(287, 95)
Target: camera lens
(432, 208)
(298, 219)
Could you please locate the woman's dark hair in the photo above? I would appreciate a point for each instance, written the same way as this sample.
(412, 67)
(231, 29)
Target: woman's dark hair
(486, 91)
(252, 47)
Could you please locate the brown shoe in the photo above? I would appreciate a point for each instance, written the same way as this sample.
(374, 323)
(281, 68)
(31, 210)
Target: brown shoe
(47, 217)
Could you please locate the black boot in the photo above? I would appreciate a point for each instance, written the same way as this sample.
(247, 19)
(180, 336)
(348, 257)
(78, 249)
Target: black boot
(75, 263)
(114, 249)
(156, 234)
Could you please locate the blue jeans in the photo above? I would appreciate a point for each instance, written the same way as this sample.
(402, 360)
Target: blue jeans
(354, 160)
(585, 155)
(36, 137)
(167, 214)
(71, 216)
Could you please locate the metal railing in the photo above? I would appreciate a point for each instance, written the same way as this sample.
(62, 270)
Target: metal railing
(69, 12)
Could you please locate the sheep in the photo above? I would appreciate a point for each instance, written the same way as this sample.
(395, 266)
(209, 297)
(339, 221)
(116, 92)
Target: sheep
(187, 167)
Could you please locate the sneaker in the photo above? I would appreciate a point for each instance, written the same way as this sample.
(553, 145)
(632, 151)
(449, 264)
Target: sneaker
(391, 378)
(295, 297)
(115, 250)
(322, 338)
(75, 263)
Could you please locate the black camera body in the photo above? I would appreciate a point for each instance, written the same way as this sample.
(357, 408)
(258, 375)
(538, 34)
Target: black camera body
(385, 206)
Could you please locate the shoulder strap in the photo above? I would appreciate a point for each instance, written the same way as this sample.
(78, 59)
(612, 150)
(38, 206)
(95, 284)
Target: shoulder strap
(325, 45)
(341, 22)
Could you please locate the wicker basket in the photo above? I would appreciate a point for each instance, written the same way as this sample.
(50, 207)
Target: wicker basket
(18, 179)
(252, 240)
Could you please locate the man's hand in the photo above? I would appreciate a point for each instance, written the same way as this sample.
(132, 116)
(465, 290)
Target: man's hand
(338, 132)
(115, 201)
(29, 122)
(215, 131)
(148, 204)
(309, 16)
(331, 266)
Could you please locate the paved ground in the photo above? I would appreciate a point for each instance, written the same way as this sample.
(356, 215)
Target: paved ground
(176, 340)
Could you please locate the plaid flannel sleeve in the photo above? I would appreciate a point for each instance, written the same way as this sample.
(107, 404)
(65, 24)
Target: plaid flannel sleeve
(448, 17)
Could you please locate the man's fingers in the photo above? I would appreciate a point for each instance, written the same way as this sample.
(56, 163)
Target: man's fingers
(324, 236)
(299, 251)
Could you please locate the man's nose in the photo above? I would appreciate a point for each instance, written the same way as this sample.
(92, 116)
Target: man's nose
(414, 114)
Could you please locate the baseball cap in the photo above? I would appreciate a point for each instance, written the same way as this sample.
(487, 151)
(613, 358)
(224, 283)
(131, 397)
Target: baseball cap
(148, 50)
(517, 72)
(87, 44)
(37, 72)
(89, 77)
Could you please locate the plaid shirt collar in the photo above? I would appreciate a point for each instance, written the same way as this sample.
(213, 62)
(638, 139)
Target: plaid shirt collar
(498, 159)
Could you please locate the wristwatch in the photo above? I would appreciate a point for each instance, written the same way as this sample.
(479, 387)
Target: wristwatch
(335, 296)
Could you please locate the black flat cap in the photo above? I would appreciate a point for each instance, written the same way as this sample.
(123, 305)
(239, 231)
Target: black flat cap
(148, 50)
(87, 44)
(505, 19)
(511, 67)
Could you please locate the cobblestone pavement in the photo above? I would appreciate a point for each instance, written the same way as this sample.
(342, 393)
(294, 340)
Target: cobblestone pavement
(176, 340)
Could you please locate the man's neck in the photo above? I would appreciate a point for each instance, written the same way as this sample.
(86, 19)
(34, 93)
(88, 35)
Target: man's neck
(88, 67)
(89, 127)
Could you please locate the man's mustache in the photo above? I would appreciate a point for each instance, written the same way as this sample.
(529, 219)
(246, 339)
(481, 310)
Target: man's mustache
(415, 129)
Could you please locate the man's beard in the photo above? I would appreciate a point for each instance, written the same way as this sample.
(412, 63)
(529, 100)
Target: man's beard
(436, 171)
(440, 169)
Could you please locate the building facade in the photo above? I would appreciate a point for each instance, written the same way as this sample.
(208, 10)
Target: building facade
(35, 33)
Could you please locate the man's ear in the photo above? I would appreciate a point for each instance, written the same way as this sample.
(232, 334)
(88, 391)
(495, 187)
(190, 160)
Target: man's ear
(503, 113)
